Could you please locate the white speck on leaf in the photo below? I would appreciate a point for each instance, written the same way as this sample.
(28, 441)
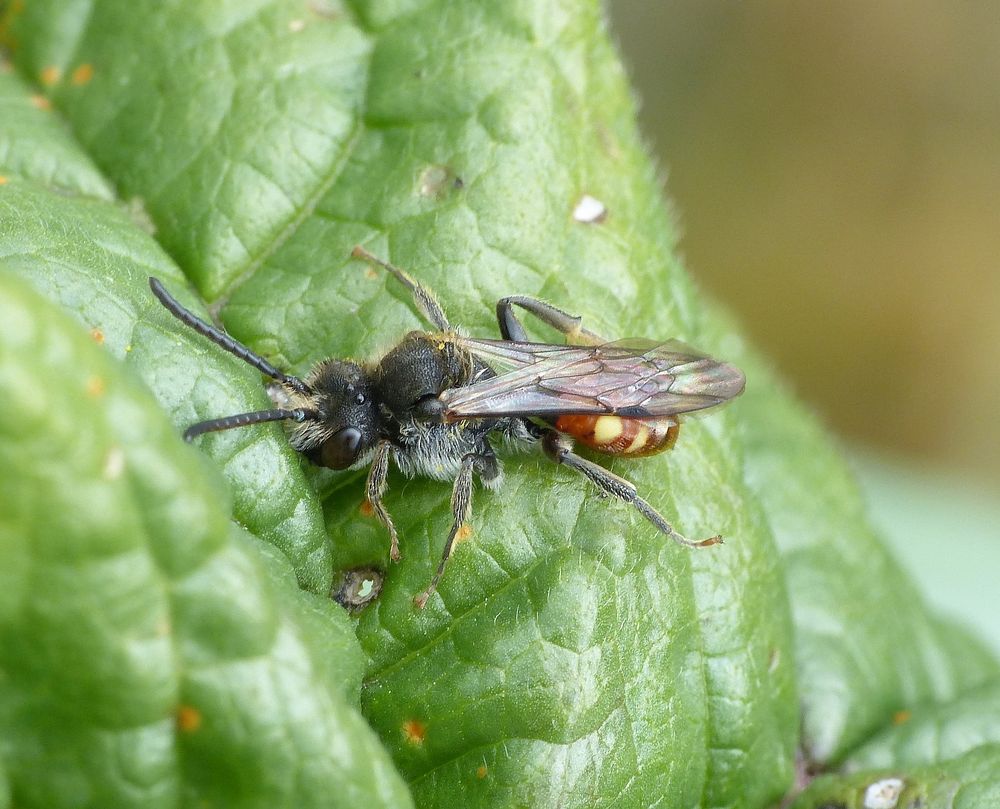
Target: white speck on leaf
(590, 210)
(883, 794)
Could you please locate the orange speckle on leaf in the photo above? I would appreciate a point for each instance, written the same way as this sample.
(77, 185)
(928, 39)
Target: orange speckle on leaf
(3, 180)
(414, 732)
(41, 102)
(97, 335)
(50, 75)
(481, 771)
(188, 719)
(366, 508)
(901, 717)
(464, 532)
(83, 74)
(95, 387)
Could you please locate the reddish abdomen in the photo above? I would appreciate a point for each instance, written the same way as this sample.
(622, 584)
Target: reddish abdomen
(614, 435)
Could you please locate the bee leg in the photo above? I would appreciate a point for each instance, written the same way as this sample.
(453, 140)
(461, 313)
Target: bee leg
(461, 506)
(425, 302)
(569, 325)
(557, 447)
(375, 488)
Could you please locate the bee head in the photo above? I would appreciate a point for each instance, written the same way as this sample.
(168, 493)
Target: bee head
(346, 423)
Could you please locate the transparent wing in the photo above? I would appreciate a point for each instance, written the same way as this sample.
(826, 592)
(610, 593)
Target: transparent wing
(637, 378)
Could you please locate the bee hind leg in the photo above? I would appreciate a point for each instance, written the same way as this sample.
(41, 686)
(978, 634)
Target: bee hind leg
(486, 464)
(566, 324)
(558, 449)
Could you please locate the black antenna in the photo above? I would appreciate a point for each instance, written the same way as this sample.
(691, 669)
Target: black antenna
(245, 419)
(223, 340)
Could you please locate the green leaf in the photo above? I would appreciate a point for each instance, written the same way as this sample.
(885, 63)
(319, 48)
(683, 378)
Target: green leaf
(935, 733)
(89, 256)
(866, 645)
(151, 653)
(226, 118)
(571, 657)
(967, 782)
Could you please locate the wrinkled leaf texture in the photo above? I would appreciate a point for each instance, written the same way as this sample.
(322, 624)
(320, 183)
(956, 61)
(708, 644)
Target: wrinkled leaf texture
(239, 150)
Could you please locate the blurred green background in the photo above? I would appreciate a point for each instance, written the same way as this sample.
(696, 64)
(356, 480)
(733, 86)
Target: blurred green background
(836, 169)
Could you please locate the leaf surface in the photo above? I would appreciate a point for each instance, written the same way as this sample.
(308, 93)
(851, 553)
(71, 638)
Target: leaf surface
(571, 656)
(91, 256)
(152, 653)
(966, 782)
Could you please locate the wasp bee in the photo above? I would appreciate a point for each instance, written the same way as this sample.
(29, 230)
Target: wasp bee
(434, 404)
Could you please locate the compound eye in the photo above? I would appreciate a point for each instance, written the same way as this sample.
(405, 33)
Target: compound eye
(341, 449)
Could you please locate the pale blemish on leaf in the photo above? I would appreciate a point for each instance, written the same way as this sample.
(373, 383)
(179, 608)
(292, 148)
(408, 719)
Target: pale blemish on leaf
(114, 464)
(883, 794)
(590, 210)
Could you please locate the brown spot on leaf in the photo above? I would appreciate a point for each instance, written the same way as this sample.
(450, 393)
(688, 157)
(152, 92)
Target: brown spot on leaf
(83, 74)
(50, 75)
(188, 719)
(95, 387)
(41, 102)
(464, 532)
(481, 771)
(414, 731)
(97, 335)
(901, 717)
(366, 508)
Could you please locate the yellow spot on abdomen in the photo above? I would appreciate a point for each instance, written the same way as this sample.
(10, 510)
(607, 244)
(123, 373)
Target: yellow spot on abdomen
(607, 429)
(639, 442)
